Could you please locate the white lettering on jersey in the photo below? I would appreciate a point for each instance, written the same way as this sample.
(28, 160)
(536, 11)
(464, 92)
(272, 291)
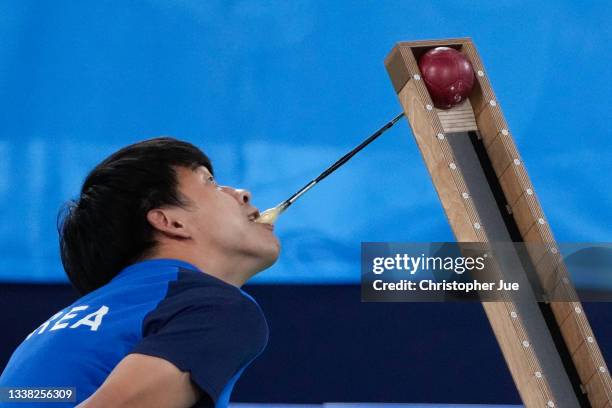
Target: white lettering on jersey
(96, 316)
(93, 320)
(60, 323)
(43, 326)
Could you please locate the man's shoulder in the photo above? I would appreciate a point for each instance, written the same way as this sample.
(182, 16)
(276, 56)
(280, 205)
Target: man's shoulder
(200, 292)
(200, 287)
(196, 301)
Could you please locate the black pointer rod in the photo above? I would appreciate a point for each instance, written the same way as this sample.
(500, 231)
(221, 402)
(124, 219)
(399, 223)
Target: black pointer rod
(270, 215)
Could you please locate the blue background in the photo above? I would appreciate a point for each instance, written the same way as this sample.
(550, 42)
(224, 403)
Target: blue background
(274, 92)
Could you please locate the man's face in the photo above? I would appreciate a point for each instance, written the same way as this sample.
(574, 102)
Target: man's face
(221, 217)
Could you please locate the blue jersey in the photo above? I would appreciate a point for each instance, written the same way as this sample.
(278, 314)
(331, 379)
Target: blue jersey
(163, 307)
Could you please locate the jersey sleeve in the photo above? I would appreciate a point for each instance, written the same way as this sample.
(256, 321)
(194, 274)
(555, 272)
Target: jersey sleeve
(212, 333)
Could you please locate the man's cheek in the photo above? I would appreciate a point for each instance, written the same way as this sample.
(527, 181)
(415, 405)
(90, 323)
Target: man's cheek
(235, 227)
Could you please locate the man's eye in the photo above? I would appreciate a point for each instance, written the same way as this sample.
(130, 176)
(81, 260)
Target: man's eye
(211, 180)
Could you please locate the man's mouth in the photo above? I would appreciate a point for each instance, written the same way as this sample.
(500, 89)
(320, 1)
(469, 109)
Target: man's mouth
(268, 226)
(254, 215)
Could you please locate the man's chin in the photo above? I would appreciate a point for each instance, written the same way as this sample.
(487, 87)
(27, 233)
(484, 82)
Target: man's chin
(269, 256)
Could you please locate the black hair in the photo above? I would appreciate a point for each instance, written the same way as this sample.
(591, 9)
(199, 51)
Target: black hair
(106, 228)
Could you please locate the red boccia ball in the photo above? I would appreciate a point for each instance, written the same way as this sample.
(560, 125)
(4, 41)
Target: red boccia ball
(448, 75)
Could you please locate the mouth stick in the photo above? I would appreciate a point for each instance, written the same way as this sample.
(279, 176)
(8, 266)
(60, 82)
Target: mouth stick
(270, 215)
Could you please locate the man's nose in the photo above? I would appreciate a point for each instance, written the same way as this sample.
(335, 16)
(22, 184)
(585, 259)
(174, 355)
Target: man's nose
(243, 196)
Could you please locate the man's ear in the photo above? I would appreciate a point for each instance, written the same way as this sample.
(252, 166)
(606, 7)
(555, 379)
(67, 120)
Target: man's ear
(166, 222)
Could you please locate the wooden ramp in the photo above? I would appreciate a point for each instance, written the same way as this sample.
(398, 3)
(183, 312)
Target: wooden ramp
(481, 180)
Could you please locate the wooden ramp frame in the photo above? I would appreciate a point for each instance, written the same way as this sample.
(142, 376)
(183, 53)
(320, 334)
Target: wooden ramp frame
(487, 195)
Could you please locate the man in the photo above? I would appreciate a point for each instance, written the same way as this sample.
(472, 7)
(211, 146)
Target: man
(159, 251)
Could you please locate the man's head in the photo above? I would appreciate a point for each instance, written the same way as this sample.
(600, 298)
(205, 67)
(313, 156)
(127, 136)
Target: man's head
(158, 198)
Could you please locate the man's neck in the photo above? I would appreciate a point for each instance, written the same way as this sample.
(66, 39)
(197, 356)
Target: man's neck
(230, 269)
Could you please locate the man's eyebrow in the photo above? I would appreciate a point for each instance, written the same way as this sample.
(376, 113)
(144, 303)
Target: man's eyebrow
(204, 172)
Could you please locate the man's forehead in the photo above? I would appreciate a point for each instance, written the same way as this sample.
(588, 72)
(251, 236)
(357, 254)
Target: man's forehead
(200, 172)
(203, 170)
